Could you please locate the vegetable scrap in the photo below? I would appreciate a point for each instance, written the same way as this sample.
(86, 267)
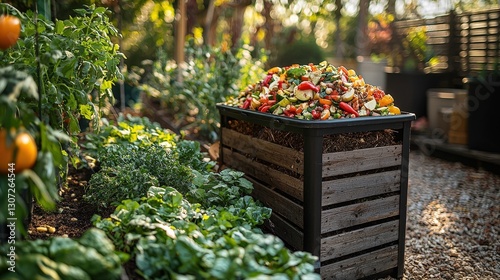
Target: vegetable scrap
(315, 92)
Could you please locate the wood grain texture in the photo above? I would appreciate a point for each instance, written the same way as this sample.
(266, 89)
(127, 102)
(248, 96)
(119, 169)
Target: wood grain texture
(358, 240)
(362, 265)
(359, 213)
(361, 160)
(346, 189)
(272, 177)
(256, 148)
(281, 205)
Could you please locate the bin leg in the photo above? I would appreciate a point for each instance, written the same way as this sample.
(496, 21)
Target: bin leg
(313, 148)
(403, 200)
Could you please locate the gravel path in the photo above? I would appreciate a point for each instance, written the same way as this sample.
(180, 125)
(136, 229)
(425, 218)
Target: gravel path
(453, 221)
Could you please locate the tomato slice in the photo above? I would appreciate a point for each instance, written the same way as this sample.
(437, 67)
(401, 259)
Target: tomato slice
(325, 114)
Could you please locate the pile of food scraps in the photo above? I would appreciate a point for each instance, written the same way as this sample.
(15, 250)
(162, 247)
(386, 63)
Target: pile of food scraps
(315, 92)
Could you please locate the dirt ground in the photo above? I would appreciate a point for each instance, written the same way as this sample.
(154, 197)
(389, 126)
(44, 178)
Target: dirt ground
(72, 216)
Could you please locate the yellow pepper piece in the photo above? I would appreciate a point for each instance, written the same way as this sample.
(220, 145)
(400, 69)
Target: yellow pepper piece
(394, 110)
(359, 83)
(351, 72)
(274, 70)
(385, 100)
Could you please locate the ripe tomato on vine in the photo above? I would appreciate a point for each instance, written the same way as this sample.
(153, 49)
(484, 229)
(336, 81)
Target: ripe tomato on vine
(10, 28)
(24, 148)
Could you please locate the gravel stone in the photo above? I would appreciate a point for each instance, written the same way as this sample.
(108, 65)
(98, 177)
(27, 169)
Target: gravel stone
(453, 221)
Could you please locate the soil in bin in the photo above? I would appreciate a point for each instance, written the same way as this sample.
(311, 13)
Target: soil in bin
(331, 143)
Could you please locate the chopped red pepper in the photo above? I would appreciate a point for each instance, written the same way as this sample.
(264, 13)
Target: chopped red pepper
(305, 85)
(267, 80)
(347, 108)
(288, 113)
(316, 114)
(377, 94)
(247, 103)
(264, 108)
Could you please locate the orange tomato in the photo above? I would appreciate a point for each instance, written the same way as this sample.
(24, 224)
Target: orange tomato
(385, 100)
(10, 28)
(24, 148)
(394, 110)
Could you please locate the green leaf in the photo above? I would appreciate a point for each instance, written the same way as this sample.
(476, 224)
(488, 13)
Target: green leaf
(39, 190)
(59, 27)
(86, 111)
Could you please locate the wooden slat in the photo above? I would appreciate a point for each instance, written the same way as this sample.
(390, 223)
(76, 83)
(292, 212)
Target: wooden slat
(358, 240)
(274, 178)
(281, 205)
(359, 213)
(361, 160)
(363, 265)
(257, 148)
(346, 189)
(286, 231)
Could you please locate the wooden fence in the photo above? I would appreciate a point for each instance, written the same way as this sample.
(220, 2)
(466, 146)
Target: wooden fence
(465, 43)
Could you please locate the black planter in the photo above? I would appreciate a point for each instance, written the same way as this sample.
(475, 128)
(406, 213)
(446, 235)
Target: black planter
(409, 89)
(484, 122)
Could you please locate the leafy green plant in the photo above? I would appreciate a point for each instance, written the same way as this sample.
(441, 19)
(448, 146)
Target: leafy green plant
(78, 64)
(127, 171)
(170, 237)
(136, 154)
(90, 257)
(219, 189)
(128, 130)
(209, 76)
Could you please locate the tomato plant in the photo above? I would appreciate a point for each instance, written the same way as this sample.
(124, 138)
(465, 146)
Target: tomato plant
(78, 64)
(10, 27)
(30, 150)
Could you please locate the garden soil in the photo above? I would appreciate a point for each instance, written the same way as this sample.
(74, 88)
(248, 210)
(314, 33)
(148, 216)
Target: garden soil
(72, 216)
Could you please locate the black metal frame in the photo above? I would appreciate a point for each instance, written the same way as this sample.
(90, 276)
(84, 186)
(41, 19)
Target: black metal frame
(313, 132)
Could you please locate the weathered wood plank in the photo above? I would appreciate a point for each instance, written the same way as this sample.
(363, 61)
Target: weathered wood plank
(358, 240)
(257, 148)
(361, 160)
(281, 205)
(345, 189)
(363, 265)
(274, 178)
(359, 213)
(286, 231)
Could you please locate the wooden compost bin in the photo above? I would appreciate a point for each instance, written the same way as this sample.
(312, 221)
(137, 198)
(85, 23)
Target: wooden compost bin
(348, 208)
